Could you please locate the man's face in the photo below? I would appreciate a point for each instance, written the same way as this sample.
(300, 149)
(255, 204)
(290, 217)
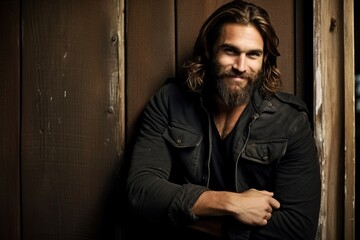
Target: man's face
(237, 63)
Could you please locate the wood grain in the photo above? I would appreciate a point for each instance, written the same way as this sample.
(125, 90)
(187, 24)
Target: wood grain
(10, 118)
(70, 118)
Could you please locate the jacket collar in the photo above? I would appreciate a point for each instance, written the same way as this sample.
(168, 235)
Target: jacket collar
(261, 104)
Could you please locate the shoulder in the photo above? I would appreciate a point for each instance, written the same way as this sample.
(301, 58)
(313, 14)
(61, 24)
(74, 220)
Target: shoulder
(293, 107)
(172, 94)
(280, 101)
(174, 88)
(291, 100)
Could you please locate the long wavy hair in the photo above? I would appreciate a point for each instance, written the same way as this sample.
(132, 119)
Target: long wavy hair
(242, 12)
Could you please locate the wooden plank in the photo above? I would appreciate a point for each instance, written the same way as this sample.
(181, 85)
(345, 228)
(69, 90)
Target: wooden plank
(349, 109)
(357, 116)
(329, 112)
(150, 53)
(10, 118)
(192, 13)
(70, 118)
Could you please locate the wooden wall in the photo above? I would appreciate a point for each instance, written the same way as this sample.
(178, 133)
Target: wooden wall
(69, 118)
(9, 119)
(61, 128)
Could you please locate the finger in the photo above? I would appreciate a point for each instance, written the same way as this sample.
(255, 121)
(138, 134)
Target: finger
(267, 216)
(266, 193)
(274, 203)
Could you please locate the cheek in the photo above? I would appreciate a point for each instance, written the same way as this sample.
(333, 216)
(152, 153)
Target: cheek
(256, 66)
(224, 62)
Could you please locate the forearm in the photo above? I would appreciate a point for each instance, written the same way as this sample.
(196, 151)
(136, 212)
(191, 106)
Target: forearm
(251, 207)
(213, 203)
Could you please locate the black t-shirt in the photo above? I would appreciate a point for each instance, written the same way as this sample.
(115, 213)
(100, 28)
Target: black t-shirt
(222, 166)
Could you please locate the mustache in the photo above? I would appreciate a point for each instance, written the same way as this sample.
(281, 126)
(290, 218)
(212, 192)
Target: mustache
(234, 74)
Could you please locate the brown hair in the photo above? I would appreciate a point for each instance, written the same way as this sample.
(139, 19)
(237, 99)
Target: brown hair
(242, 12)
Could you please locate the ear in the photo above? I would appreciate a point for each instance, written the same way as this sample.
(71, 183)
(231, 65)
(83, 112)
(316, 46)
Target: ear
(265, 58)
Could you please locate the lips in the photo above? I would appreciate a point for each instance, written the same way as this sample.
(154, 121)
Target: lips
(233, 75)
(238, 77)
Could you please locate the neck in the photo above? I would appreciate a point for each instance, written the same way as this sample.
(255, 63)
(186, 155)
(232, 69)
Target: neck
(226, 117)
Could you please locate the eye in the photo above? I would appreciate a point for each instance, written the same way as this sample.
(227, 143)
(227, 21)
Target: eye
(230, 51)
(254, 54)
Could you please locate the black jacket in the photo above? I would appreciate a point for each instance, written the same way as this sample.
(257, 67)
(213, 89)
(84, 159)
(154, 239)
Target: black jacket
(276, 152)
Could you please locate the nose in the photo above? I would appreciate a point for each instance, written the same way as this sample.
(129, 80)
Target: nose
(240, 63)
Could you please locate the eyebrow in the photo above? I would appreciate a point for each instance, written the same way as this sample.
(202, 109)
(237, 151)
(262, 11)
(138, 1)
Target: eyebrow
(236, 49)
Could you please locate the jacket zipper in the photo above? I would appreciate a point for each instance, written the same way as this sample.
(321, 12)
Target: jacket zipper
(210, 146)
(254, 117)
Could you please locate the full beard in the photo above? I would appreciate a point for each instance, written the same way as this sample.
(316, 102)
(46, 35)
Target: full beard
(231, 92)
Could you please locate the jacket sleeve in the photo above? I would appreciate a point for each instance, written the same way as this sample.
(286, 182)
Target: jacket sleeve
(297, 188)
(149, 190)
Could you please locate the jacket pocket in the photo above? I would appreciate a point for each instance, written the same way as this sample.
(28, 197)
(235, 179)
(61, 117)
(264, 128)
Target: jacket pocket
(180, 137)
(186, 147)
(264, 152)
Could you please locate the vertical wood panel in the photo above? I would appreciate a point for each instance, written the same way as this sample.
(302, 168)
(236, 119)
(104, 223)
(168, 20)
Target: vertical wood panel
(329, 113)
(192, 13)
(9, 123)
(150, 52)
(70, 118)
(357, 116)
(150, 59)
(349, 118)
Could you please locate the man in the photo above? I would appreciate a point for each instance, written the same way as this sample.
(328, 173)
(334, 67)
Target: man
(226, 144)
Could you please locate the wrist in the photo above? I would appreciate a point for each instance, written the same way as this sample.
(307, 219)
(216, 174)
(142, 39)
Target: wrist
(214, 203)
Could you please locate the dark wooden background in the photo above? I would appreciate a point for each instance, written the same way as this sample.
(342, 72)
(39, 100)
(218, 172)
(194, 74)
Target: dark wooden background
(67, 93)
(10, 119)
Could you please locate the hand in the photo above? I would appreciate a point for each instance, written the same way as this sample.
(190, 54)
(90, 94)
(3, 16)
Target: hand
(254, 207)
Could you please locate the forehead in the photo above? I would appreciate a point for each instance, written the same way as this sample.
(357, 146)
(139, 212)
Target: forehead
(235, 33)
